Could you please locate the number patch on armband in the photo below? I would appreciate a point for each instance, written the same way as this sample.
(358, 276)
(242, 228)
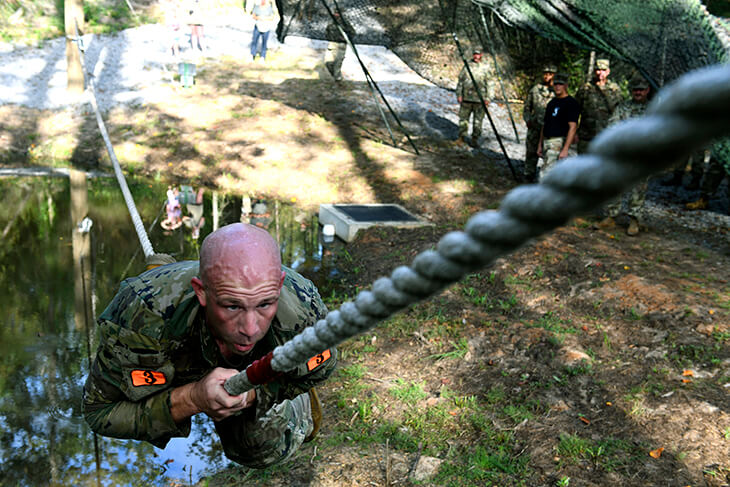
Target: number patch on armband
(147, 378)
(318, 360)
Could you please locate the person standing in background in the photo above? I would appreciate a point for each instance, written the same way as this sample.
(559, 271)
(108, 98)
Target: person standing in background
(265, 16)
(470, 103)
(534, 114)
(598, 99)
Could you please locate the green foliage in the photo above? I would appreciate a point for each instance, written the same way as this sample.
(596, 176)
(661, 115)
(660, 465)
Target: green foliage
(408, 392)
(721, 8)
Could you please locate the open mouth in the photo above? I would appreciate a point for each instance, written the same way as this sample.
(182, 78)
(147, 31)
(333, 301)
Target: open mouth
(242, 348)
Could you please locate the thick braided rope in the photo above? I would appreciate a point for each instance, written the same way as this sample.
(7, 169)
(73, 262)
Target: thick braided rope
(686, 116)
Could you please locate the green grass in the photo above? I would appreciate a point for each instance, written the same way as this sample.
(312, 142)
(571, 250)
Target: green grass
(608, 454)
(408, 392)
(459, 350)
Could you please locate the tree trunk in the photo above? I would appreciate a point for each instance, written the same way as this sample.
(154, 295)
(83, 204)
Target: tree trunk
(73, 16)
(591, 63)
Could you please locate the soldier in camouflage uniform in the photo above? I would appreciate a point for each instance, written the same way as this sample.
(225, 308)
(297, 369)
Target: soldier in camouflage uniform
(633, 199)
(533, 115)
(598, 100)
(172, 336)
(718, 168)
(468, 98)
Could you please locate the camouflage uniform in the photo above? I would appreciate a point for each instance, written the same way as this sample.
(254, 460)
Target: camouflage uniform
(153, 338)
(717, 168)
(597, 104)
(533, 114)
(633, 199)
(470, 103)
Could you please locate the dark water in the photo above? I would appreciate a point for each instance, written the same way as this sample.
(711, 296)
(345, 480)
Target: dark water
(43, 334)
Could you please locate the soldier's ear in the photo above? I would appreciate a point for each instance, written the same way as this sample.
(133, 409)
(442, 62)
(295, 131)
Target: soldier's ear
(199, 289)
(281, 282)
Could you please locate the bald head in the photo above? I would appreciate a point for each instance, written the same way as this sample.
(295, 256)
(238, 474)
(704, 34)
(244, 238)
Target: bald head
(242, 248)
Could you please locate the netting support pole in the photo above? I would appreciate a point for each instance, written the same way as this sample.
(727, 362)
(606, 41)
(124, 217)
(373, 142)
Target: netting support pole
(484, 104)
(285, 30)
(133, 213)
(499, 74)
(371, 82)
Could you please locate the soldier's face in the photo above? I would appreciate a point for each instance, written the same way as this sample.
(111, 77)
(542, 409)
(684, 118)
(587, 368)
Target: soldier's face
(639, 95)
(240, 304)
(547, 77)
(477, 56)
(602, 74)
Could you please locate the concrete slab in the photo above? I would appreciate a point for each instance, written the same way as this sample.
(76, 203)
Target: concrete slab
(349, 219)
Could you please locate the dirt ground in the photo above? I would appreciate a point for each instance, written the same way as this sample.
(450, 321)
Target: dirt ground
(623, 341)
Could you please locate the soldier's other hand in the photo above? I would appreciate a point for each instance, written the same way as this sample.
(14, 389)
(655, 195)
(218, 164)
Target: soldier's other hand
(211, 398)
(539, 151)
(459, 99)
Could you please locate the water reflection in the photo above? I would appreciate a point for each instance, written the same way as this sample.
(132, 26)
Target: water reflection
(43, 342)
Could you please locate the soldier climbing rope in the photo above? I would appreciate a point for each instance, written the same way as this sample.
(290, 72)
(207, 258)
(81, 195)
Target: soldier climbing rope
(685, 116)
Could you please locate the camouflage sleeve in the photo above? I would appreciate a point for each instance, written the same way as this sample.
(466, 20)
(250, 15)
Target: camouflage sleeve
(127, 392)
(616, 98)
(490, 90)
(617, 115)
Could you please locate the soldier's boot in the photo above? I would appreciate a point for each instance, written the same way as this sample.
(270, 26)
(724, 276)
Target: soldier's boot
(700, 204)
(633, 228)
(316, 414)
(607, 223)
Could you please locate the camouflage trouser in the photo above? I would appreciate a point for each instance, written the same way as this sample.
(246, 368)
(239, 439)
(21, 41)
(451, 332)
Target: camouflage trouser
(465, 110)
(697, 167)
(583, 146)
(713, 177)
(261, 438)
(531, 143)
(550, 151)
(335, 56)
(630, 202)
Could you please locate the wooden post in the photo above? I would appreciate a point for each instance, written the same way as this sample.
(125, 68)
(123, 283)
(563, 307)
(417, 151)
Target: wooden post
(73, 17)
(81, 249)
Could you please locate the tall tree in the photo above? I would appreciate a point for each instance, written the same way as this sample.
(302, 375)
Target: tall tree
(73, 16)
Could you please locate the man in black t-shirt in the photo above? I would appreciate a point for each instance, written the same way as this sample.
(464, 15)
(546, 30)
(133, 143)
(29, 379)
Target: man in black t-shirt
(560, 125)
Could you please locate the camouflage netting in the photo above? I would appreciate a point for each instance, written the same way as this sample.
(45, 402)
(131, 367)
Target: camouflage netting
(662, 39)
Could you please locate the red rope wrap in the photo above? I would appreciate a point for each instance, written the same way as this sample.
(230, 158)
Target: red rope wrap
(260, 371)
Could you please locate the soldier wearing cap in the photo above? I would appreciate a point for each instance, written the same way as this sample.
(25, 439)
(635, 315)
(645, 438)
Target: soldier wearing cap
(468, 97)
(173, 335)
(633, 199)
(533, 114)
(559, 125)
(598, 99)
